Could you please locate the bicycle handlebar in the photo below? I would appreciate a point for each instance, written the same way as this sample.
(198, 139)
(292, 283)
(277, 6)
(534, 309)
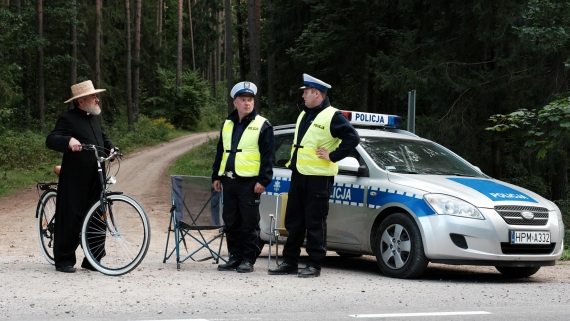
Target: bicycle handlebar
(116, 152)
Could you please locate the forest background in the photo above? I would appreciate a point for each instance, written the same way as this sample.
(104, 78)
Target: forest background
(491, 77)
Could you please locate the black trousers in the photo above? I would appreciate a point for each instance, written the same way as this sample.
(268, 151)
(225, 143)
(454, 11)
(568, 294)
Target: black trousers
(307, 211)
(241, 218)
(67, 231)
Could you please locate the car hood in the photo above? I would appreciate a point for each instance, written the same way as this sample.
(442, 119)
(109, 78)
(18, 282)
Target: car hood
(481, 192)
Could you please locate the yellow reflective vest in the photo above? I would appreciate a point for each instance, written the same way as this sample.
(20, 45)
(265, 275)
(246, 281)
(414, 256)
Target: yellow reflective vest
(248, 158)
(318, 135)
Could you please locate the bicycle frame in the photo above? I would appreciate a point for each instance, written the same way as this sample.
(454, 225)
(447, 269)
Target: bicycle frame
(104, 186)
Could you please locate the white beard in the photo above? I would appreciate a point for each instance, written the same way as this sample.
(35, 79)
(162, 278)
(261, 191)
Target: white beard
(93, 109)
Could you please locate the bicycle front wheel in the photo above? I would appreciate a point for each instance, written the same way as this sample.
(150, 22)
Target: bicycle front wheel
(46, 223)
(117, 242)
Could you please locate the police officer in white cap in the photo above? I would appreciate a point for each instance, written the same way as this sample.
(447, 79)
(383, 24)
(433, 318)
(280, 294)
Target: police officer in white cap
(244, 167)
(323, 137)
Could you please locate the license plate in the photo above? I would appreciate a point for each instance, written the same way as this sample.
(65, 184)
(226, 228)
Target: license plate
(529, 237)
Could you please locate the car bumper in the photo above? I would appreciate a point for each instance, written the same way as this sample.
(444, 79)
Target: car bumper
(458, 240)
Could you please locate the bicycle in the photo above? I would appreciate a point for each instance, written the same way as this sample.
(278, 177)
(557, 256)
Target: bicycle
(121, 236)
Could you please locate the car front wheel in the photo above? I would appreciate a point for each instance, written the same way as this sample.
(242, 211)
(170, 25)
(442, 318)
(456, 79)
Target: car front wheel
(517, 271)
(399, 247)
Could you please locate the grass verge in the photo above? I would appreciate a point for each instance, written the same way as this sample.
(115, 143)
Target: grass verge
(197, 162)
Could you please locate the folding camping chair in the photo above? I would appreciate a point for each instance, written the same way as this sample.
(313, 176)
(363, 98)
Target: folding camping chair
(277, 227)
(190, 217)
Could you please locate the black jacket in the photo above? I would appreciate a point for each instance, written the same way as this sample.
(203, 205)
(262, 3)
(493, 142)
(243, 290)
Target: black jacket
(340, 128)
(266, 145)
(79, 182)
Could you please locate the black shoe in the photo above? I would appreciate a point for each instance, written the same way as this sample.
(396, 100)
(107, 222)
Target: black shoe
(230, 266)
(283, 269)
(309, 272)
(86, 265)
(245, 267)
(65, 269)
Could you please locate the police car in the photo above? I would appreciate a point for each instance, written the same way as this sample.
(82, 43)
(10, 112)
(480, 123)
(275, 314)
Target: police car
(410, 201)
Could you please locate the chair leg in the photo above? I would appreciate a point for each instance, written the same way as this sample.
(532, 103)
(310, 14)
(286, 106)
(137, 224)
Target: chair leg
(168, 239)
(220, 248)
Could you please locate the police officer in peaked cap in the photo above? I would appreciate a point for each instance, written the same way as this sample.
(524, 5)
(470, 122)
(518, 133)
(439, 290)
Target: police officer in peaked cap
(244, 167)
(323, 136)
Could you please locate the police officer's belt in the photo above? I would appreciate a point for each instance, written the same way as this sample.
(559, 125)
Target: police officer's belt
(229, 174)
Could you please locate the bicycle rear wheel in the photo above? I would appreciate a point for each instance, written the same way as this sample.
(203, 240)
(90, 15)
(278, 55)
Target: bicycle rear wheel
(46, 220)
(116, 243)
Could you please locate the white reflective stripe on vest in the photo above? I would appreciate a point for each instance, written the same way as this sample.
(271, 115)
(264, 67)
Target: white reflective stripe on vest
(318, 135)
(248, 158)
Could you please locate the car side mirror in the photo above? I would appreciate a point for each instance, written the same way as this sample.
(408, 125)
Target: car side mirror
(348, 164)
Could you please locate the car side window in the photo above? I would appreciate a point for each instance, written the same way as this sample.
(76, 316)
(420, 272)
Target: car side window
(283, 145)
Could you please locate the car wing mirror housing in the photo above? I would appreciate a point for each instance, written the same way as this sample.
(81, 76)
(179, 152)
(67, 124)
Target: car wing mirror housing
(348, 164)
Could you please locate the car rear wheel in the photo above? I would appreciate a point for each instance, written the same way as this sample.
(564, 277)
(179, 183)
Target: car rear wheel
(399, 247)
(517, 271)
(348, 255)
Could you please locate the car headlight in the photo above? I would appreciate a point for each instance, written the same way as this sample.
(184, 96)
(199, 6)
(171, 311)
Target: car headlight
(449, 205)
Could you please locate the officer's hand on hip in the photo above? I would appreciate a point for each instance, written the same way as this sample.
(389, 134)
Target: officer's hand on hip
(259, 188)
(323, 153)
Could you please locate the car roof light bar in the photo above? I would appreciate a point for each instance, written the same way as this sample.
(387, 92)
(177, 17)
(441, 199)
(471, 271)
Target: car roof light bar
(370, 119)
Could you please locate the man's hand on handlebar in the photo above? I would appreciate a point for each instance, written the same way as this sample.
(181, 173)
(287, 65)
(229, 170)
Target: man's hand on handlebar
(74, 145)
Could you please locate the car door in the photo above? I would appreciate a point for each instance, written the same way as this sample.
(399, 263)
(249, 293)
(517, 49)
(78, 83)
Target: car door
(347, 208)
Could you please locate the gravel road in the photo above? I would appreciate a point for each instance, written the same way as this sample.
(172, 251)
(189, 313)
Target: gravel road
(31, 289)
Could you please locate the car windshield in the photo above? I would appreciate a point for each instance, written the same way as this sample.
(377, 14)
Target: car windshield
(415, 157)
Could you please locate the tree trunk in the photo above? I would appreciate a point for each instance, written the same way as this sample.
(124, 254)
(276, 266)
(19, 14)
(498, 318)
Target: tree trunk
(191, 34)
(179, 50)
(130, 117)
(220, 41)
(73, 31)
(98, 37)
(364, 86)
(254, 28)
(217, 51)
(136, 75)
(270, 64)
(270, 80)
(159, 11)
(40, 66)
(24, 55)
(229, 53)
(241, 49)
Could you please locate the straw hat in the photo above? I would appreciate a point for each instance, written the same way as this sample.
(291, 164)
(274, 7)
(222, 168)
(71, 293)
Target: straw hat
(83, 89)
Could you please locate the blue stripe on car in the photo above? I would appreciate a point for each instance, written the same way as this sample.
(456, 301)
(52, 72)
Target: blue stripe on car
(494, 191)
(414, 202)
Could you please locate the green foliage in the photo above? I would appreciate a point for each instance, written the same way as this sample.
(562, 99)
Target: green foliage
(197, 162)
(181, 106)
(24, 150)
(547, 129)
(23, 158)
(214, 113)
(547, 24)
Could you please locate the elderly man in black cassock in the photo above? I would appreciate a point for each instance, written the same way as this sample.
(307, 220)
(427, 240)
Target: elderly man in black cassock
(79, 184)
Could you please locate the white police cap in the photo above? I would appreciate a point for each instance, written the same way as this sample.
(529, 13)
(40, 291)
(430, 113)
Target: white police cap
(312, 82)
(242, 88)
